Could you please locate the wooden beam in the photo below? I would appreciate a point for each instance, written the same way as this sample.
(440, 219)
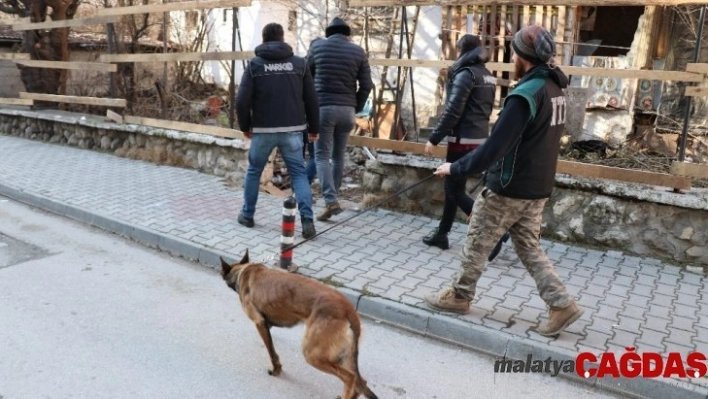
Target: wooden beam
(696, 91)
(568, 70)
(79, 66)
(16, 101)
(564, 167)
(10, 22)
(178, 6)
(174, 57)
(115, 117)
(106, 102)
(626, 175)
(699, 171)
(67, 23)
(398, 3)
(395, 145)
(185, 127)
(697, 68)
(14, 56)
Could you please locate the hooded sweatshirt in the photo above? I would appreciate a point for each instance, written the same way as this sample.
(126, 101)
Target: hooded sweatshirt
(277, 93)
(522, 151)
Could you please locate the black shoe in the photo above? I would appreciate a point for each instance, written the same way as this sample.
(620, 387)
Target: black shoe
(245, 221)
(437, 239)
(308, 228)
(497, 248)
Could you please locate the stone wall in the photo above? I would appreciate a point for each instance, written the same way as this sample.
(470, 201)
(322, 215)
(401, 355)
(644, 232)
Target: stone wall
(630, 218)
(220, 157)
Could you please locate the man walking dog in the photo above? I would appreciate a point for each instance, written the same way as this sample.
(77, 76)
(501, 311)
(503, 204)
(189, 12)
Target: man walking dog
(521, 155)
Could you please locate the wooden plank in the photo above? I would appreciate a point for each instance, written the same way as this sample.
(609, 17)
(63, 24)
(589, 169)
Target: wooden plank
(178, 6)
(106, 102)
(115, 117)
(174, 57)
(14, 56)
(564, 167)
(74, 65)
(526, 18)
(398, 3)
(394, 145)
(185, 127)
(568, 70)
(538, 15)
(560, 32)
(16, 101)
(699, 171)
(696, 91)
(697, 68)
(67, 23)
(626, 175)
(10, 22)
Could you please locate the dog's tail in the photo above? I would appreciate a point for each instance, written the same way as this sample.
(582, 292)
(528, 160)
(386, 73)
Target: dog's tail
(361, 387)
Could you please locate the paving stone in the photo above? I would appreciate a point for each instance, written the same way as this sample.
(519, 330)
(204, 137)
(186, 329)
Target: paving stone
(640, 301)
(633, 311)
(680, 337)
(608, 313)
(624, 338)
(486, 303)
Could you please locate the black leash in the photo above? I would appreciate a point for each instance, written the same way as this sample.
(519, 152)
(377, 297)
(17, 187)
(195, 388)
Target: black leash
(376, 205)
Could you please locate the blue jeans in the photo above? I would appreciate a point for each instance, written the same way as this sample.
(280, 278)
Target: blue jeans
(310, 168)
(290, 145)
(336, 123)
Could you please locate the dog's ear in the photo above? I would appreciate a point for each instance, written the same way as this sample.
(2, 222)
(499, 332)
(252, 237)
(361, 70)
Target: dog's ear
(244, 260)
(225, 267)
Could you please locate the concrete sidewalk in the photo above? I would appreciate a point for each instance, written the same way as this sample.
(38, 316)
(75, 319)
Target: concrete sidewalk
(629, 301)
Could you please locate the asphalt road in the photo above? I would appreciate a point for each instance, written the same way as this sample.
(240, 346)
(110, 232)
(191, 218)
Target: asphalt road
(87, 314)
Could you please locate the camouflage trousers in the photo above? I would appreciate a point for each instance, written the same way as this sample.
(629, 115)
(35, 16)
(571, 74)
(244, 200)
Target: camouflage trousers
(492, 216)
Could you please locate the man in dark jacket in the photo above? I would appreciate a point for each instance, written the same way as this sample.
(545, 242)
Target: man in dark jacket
(276, 102)
(343, 81)
(521, 155)
(464, 125)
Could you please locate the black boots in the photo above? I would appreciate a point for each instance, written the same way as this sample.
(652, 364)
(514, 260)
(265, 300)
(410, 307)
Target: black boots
(437, 239)
(497, 248)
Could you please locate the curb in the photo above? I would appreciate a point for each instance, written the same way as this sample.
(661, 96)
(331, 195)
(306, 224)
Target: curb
(424, 322)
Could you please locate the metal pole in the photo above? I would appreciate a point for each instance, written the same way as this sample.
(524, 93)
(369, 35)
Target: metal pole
(689, 100)
(232, 83)
(399, 89)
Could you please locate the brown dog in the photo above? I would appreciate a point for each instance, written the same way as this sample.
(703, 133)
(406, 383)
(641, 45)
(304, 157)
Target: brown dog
(272, 298)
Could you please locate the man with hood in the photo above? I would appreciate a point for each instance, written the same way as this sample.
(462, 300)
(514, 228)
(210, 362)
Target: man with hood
(343, 81)
(521, 156)
(464, 125)
(276, 102)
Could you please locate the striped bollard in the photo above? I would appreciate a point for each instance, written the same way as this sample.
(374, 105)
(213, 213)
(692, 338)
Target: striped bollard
(287, 239)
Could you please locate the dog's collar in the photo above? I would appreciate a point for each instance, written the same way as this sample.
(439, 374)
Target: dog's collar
(238, 275)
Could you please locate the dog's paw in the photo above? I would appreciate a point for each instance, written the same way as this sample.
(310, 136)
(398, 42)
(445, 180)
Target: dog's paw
(275, 371)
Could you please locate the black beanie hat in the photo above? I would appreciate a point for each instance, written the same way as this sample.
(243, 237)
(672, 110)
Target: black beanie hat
(534, 44)
(337, 26)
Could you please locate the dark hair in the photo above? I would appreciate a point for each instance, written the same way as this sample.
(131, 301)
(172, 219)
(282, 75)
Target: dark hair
(273, 33)
(468, 43)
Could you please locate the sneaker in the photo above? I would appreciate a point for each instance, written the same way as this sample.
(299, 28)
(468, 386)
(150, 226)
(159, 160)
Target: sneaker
(308, 228)
(329, 211)
(560, 319)
(448, 300)
(437, 239)
(497, 248)
(245, 221)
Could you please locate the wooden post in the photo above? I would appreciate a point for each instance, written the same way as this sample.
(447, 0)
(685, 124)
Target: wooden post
(560, 35)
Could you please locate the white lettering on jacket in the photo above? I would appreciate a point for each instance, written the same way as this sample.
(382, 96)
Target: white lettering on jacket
(558, 110)
(280, 67)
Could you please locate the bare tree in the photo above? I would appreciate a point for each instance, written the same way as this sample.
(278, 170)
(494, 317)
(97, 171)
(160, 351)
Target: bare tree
(51, 45)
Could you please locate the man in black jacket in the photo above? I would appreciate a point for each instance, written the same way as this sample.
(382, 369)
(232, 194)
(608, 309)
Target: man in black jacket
(464, 125)
(521, 155)
(276, 102)
(343, 81)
